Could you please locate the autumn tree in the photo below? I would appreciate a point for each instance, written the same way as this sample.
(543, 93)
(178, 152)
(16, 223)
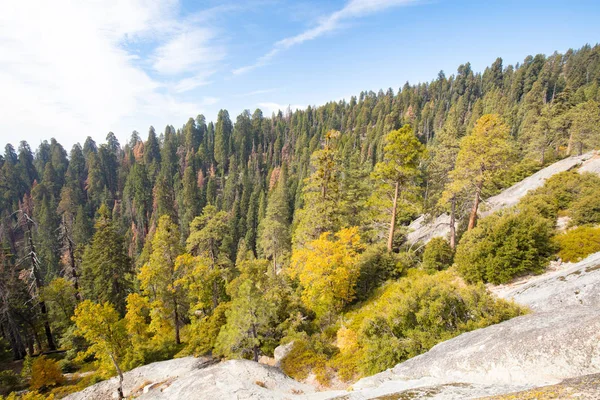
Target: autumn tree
(101, 327)
(159, 278)
(327, 269)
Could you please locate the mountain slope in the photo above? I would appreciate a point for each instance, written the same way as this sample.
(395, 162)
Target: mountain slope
(421, 230)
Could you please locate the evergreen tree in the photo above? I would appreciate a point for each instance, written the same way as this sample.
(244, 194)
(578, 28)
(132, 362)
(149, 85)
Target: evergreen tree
(399, 168)
(105, 266)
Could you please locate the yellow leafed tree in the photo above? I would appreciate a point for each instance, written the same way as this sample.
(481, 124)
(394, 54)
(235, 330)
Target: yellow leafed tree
(327, 269)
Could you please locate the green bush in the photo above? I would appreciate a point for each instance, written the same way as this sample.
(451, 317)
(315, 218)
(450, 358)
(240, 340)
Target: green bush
(437, 255)
(407, 317)
(505, 245)
(377, 265)
(586, 210)
(9, 381)
(578, 243)
(564, 188)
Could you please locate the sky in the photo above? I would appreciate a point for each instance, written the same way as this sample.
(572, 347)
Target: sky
(76, 68)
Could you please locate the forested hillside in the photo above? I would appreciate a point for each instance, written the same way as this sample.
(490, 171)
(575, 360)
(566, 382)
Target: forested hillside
(236, 236)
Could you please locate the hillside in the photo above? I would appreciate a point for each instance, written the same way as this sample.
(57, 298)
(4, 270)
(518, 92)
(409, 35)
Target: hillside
(557, 342)
(232, 238)
(556, 345)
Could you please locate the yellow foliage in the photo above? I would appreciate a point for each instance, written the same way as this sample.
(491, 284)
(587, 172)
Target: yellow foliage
(328, 270)
(45, 373)
(347, 340)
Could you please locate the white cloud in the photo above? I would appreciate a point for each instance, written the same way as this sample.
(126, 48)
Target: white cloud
(256, 92)
(66, 72)
(187, 51)
(353, 9)
(270, 108)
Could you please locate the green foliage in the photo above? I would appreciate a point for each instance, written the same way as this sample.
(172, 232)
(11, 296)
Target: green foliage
(586, 210)
(376, 265)
(437, 256)
(505, 245)
(252, 314)
(106, 268)
(577, 243)
(408, 317)
(561, 191)
(9, 381)
(45, 374)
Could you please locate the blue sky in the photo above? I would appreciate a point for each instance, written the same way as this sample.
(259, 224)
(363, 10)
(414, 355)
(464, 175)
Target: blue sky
(69, 69)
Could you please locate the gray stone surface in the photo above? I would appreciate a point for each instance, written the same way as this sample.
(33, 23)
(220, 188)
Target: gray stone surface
(420, 230)
(574, 284)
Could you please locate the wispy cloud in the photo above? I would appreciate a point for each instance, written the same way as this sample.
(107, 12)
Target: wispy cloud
(77, 69)
(353, 9)
(271, 108)
(256, 92)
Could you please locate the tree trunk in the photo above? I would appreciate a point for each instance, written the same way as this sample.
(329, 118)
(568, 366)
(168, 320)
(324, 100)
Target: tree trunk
(38, 286)
(473, 216)
(120, 388)
(255, 347)
(453, 223)
(393, 221)
(176, 312)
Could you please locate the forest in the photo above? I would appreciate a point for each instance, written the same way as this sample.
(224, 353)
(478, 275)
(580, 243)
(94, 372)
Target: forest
(231, 238)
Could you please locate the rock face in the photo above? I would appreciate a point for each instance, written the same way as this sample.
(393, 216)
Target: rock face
(574, 285)
(420, 230)
(193, 378)
(559, 340)
(533, 350)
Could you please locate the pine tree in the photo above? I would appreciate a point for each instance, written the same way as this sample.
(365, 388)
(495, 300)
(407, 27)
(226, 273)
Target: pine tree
(399, 168)
(105, 267)
(252, 314)
(274, 230)
(483, 155)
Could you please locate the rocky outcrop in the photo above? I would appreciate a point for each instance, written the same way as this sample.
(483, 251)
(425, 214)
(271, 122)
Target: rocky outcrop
(193, 378)
(533, 350)
(421, 230)
(574, 284)
(558, 340)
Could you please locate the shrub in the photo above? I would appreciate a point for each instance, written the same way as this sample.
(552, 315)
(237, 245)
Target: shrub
(9, 381)
(586, 210)
(578, 243)
(408, 317)
(376, 265)
(309, 354)
(505, 245)
(45, 373)
(565, 188)
(437, 255)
